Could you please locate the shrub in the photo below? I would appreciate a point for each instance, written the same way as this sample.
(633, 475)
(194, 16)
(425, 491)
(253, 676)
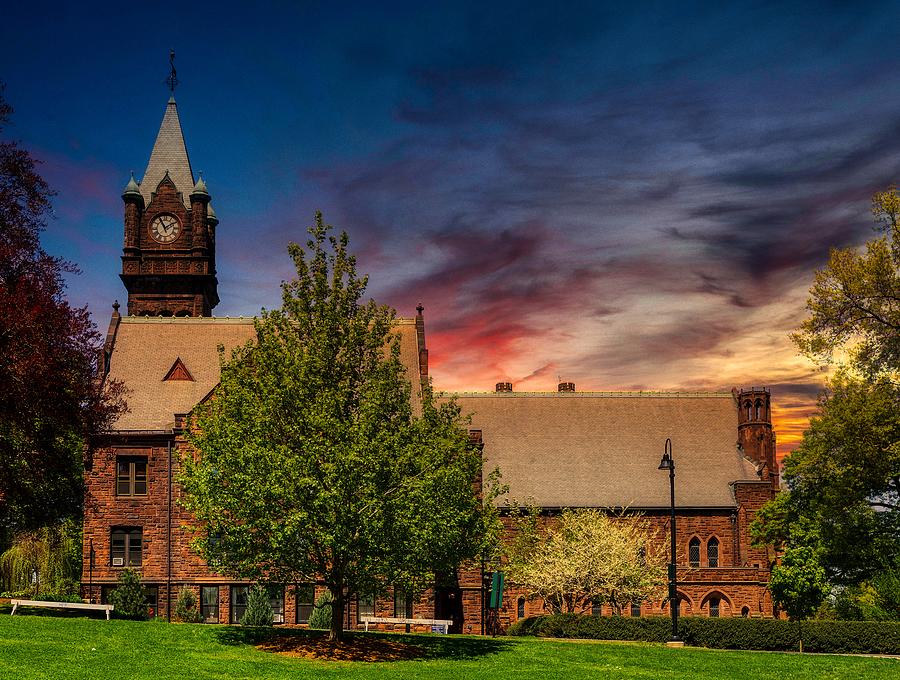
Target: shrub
(186, 610)
(320, 618)
(857, 637)
(259, 609)
(57, 597)
(129, 598)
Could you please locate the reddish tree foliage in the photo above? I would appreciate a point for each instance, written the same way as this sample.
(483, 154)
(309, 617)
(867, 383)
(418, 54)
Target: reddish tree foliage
(50, 397)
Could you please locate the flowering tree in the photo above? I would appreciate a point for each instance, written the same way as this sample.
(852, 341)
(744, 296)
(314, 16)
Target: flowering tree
(585, 556)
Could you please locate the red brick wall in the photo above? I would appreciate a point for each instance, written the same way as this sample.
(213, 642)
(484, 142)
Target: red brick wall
(740, 580)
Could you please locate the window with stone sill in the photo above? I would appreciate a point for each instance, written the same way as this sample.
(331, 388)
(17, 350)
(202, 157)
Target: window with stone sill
(126, 544)
(238, 602)
(209, 604)
(276, 601)
(305, 595)
(403, 605)
(694, 552)
(366, 605)
(712, 552)
(131, 475)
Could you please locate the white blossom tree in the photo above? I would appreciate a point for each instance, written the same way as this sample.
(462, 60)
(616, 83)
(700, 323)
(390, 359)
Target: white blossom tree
(585, 556)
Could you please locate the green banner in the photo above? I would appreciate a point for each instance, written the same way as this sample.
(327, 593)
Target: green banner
(496, 590)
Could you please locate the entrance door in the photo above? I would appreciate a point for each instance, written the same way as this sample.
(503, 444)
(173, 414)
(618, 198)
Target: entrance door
(448, 605)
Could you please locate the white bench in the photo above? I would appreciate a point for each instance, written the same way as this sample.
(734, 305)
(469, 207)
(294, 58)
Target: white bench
(61, 605)
(445, 623)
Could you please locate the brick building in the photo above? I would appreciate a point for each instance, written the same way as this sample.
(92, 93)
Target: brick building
(560, 449)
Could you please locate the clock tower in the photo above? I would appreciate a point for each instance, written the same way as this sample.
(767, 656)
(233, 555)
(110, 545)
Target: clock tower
(169, 258)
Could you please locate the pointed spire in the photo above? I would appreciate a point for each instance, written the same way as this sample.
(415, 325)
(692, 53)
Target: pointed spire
(169, 155)
(211, 215)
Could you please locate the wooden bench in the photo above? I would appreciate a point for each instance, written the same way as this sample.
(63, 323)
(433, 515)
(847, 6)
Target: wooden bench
(443, 623)
(61, 605)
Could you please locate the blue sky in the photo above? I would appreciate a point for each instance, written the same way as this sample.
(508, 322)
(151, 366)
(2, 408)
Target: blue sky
(628, 196)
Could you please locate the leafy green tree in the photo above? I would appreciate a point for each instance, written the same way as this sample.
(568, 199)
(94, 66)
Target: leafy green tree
(186, 609)
(876, 599)
(798, 584)
(259, 609)
(320, 618)
(854, 303)
(311, 460)
(129, 597)
(586, 556)
(844, 482)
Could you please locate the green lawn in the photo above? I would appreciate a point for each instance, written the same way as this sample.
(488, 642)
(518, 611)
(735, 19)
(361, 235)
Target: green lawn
(51, 647)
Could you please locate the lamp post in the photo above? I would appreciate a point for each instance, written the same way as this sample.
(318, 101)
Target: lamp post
(667, 463)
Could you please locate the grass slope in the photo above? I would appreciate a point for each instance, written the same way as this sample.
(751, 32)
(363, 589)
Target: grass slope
(45, 647)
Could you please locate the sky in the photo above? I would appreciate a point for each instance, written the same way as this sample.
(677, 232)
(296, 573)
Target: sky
(628, 196)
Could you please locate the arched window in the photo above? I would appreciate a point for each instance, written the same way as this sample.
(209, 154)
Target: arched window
(712, 552)
(520, 608)
(714, 607)
(745, 612)
(758, 409)
(749, 407)
(694, 552)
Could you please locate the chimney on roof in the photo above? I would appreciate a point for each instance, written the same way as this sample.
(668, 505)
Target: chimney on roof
(566, 387)
(504, 387)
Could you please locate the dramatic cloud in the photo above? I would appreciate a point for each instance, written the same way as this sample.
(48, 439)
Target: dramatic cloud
(623, 198)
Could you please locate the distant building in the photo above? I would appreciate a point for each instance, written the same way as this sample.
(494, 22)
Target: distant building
(564, 449)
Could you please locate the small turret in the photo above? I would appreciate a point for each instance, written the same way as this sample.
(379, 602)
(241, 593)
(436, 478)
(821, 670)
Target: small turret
(755, 436)
(134, 208)
(200, 217)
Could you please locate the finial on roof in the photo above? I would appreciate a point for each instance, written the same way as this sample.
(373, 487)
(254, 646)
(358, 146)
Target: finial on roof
(172, 80)
(420, 308)
(200, 187)
(116, 307)
(132, 187)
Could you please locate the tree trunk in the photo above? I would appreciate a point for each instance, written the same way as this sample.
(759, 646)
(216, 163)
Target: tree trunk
(336, 634)
(800, 633)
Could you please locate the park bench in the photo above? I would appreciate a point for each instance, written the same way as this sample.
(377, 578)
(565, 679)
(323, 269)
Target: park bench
(434, 623)
(61, 605)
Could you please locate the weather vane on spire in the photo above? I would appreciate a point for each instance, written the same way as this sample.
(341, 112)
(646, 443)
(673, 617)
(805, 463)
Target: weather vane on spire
(172, 80)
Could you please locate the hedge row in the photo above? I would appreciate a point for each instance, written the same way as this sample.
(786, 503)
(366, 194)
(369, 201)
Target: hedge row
(861, 637)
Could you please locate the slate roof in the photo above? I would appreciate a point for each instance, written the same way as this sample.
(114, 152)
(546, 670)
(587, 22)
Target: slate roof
(169, 155)
(144, 350)
(602, 449)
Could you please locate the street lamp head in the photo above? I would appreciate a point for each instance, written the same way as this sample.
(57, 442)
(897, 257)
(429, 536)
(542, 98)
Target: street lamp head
(667, 463)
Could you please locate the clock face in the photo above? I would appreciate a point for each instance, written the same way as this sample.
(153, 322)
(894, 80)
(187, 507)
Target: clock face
(165, 228)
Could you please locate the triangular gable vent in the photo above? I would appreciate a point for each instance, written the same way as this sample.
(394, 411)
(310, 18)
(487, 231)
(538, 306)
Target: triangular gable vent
(178, 372)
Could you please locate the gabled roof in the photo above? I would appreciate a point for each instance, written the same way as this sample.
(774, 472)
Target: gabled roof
(602, 449)
(169, 155)
(145, 349)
